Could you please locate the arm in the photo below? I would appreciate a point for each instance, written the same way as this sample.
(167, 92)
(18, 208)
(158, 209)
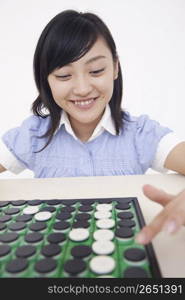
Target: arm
(175, 160)
(2, 169)
(172, 217)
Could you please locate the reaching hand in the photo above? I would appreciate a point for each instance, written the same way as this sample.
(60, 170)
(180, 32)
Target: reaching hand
(170, 219)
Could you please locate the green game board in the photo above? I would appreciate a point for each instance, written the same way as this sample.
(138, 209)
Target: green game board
(86, 238)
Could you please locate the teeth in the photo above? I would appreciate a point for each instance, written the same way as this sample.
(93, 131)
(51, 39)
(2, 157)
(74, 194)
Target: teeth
(83, 102)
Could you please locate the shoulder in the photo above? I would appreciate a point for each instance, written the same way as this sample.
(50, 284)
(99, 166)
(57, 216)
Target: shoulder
(27, 130)
(135, 120)
(35, 123)
(141, 122)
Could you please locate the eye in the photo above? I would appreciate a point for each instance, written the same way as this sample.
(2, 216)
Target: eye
(97, 71)
(63, 77)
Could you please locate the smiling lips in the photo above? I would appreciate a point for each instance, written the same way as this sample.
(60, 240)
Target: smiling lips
(88, 103)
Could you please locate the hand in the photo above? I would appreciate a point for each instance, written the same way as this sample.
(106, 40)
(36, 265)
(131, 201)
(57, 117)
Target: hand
(170, 219)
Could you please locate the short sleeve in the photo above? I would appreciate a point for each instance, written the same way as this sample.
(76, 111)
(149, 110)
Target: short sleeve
(19, 144)
(167, 143)
(148, 135)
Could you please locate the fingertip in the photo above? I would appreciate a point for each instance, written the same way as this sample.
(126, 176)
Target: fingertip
(147, 185)
(142, 237)
(148, 188)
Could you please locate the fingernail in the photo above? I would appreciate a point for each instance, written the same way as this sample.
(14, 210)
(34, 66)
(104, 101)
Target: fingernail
(141, 238)
(170, 227)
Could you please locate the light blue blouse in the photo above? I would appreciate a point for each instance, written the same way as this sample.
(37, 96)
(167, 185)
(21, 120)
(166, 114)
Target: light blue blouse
(129, 153)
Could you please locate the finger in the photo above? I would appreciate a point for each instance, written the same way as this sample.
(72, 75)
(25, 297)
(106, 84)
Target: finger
(149, 232)
(170, 223)
(175, 213)
(157, 195)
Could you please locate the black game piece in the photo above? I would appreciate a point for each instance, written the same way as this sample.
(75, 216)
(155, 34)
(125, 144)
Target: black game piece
(83, 216)
(17, 226)
(12, 211)
(127, 223)
(25, 251)
(33, 237)
(53, 202)
(126, 200)
(122, 206)
(4, 203)
(125, 215)
(124, 232)
(18, 202)
(37, 226)
(104, 201)
(24, 218)
(81, 251)
(50, 209)
(80, 224)
(5, 218)
(135, 254)
(45, 265)
(34, 202)
(56, 237)
(51, 250)
(8, 237)
(61, 225)
(87, 201)
(2, 226)
(4, 250)
(67, 209)
(85, 208)
(68, 202)
(74, 266)
(17, 265)
(63, 216)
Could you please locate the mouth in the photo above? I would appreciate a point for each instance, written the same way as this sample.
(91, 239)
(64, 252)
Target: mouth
(85, 103)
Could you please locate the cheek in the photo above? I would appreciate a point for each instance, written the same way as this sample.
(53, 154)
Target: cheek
(58, 91)
(105, 85)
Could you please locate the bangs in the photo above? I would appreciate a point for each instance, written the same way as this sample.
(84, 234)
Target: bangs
(70, 41)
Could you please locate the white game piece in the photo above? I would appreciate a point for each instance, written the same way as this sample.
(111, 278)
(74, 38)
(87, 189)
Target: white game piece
(102, 214)
(102, 264)
(103, 247)
(103, 234)
(30, 210)
(78, 234)
(43, 216)
(104, 207)
(105, 223)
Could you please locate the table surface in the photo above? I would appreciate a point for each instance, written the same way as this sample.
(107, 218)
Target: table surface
(169, 249)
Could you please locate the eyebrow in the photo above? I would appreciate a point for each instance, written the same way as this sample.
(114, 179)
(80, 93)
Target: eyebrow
(95, 58)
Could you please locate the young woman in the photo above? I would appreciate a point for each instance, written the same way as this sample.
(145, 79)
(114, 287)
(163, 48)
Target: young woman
(78, 127)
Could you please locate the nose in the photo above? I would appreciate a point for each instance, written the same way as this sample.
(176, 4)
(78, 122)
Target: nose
(82, 86)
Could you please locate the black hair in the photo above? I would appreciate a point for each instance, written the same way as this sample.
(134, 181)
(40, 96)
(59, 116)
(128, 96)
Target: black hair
(65, 39)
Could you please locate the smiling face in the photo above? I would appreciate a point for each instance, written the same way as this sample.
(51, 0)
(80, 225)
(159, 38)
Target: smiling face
(84, 87)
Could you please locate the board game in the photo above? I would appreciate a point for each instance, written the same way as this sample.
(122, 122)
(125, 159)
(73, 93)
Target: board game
(61, 238)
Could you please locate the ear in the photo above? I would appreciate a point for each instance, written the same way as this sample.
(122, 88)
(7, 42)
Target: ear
(116, 69)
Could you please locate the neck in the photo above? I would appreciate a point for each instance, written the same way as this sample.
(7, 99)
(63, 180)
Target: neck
(83, 134)
(83, 131)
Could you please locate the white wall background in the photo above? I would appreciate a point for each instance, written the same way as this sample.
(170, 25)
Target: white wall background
(150, 37)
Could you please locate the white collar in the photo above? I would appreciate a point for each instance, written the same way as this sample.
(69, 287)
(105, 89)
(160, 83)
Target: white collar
(106, 123)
